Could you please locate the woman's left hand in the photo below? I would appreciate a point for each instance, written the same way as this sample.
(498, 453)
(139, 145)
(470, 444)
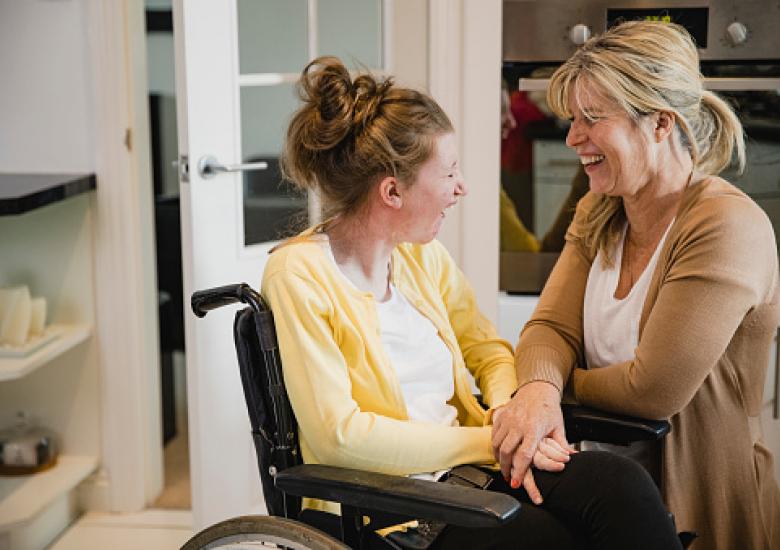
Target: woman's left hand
(551, 456)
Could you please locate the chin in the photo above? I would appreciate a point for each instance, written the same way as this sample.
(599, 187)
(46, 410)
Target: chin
(426, 238)
(602, 187)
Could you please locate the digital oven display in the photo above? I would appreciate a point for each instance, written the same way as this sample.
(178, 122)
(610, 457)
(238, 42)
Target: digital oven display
(693, 19)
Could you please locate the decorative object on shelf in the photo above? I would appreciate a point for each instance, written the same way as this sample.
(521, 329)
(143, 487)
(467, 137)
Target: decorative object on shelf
(26, 448)
(22, 322)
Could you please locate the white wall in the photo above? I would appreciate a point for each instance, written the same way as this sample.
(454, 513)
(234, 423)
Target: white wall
(46, 90)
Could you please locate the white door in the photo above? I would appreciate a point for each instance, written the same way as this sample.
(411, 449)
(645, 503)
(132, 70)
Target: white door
(236, 65)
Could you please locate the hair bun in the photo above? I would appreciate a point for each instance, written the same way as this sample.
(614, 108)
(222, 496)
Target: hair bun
(327, 92)
(369, 94)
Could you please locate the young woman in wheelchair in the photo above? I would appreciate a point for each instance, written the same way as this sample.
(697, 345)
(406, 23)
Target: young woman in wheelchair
(378, 328)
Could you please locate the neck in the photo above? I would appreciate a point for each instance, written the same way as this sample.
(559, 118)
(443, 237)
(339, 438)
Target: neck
(654, 206)
(362, 247)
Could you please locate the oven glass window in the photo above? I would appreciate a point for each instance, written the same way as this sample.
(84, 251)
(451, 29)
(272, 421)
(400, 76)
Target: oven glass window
(759, 112)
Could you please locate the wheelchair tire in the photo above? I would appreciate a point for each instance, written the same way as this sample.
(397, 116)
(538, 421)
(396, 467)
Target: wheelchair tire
(249, 531)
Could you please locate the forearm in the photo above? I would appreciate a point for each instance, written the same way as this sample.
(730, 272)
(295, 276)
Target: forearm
(611, 389)
(367, 441)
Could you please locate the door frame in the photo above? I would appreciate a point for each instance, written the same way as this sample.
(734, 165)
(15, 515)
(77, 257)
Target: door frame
(464, 51)
(131, 473)
(462, 34)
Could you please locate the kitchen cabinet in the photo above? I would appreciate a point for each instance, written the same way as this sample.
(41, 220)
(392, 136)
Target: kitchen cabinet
(515, 311)
(47, 240)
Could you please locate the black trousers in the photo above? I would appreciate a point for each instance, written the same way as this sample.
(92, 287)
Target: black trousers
(600, 500)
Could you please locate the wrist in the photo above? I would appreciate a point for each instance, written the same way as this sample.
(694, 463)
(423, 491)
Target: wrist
(539, 387)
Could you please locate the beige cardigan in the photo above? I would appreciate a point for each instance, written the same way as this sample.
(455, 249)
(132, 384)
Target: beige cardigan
(704, 338)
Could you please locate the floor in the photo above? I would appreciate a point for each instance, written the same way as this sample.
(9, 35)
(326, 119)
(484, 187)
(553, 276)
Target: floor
(176, 462)
(166, 526)
(151, 530)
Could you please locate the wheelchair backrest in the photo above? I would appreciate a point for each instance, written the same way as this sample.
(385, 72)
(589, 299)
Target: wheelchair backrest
(270, 414)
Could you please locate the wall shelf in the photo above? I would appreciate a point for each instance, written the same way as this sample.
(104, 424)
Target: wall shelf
(68, 337)
(22, 498)
(20, 193)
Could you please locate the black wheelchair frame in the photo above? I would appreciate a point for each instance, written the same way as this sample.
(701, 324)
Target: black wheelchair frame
(369, 501)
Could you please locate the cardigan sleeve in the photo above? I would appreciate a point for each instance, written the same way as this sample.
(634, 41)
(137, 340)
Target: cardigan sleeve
(335, 428)
(552, 340)
(723, 264)
(487, 356)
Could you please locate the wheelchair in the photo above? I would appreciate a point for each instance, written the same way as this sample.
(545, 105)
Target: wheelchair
(369, 501)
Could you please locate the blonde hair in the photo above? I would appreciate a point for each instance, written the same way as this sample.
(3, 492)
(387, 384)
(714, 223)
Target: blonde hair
(349, 134)
(646, 67)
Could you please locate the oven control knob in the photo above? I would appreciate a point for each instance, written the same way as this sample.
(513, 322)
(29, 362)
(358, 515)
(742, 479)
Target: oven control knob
(579, 34)
(737, 33)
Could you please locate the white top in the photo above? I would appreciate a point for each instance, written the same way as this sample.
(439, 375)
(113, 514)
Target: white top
(611, 326)
(420, 358)
(611, 333)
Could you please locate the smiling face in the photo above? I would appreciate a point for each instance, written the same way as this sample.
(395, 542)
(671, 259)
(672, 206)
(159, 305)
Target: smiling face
(618, 153)
(437, 187)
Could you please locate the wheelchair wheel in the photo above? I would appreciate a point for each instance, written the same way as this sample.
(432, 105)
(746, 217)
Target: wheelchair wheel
(250, 532)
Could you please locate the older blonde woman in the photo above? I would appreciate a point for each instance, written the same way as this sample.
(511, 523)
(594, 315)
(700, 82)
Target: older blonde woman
(666, 291)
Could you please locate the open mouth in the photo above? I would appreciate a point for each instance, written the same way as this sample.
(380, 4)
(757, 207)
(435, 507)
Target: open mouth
(444, 212)
(591, 160)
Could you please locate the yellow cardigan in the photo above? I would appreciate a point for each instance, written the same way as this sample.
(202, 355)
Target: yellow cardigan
(343, 389)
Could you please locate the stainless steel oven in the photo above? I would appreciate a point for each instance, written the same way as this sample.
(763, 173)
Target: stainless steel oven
(739, 46)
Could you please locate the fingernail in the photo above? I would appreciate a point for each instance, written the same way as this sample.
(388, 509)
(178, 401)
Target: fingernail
(538, 500)
(515, 484)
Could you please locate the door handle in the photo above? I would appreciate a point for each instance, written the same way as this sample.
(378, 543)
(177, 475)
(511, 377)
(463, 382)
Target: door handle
(209, 166)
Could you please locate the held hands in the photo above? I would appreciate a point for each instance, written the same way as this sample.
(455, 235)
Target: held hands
(529, 430)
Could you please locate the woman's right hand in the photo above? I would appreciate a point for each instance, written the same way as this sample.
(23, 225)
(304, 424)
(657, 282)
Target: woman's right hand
(518, 428)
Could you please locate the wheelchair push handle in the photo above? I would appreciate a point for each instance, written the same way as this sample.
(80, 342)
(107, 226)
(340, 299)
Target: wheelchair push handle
(204, 301)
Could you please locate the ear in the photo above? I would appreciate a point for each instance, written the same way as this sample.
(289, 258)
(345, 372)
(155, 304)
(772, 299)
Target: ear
(390, 192)
(664, 125)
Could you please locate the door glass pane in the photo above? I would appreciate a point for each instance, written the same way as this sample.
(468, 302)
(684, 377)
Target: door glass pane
(272, 36)
(272, 208)
(351, 30)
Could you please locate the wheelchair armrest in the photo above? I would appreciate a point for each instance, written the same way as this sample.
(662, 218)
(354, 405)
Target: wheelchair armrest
(398, 495)
(594, 425)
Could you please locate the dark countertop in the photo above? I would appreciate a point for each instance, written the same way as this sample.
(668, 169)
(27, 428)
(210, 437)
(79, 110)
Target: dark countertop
(20, 193)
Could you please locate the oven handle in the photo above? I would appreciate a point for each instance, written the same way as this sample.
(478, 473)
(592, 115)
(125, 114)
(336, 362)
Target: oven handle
(717, 84)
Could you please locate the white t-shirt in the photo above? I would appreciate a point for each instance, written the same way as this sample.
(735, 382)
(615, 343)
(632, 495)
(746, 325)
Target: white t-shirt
(611, 332)
(420, 358)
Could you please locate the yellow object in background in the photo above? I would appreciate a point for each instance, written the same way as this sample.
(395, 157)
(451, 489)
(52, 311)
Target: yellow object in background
(514, 236)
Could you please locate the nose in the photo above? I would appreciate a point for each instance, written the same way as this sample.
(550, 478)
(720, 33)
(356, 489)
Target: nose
(461, 189)
(576, 134)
